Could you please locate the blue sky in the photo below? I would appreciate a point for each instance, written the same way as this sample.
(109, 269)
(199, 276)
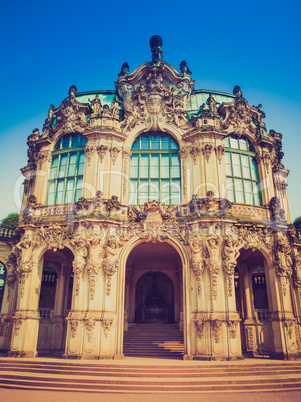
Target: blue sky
(48, 46)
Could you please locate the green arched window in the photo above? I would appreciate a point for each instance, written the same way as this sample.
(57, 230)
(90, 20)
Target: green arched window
(155, 172)
(67, 170)
(241, 171)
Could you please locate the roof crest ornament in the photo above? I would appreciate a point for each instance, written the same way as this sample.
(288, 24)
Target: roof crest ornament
(156, 43)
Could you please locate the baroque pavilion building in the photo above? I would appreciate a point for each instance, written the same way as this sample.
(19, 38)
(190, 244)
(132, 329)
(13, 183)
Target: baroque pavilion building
(158, 204)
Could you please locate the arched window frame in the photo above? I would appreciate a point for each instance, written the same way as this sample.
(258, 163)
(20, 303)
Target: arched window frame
(242, 171)
(66, 170)
(155, 169)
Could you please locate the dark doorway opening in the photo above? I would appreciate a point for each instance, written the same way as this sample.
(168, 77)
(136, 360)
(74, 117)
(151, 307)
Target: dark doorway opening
(154, 298)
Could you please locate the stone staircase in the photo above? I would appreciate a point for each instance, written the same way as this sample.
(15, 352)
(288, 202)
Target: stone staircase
(134, 375)
(156, 340)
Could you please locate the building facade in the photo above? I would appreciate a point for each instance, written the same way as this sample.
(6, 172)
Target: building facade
(155, 202)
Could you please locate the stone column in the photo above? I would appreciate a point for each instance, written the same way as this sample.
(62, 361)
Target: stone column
(26, 317)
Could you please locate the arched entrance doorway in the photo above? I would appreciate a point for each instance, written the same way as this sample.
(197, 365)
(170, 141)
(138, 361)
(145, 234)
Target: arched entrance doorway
(55, 301)
(153, 320)
(252, 303)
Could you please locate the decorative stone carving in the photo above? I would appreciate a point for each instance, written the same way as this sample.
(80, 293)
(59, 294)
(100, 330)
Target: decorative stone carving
(18, 321)
(90, 324)
(124, 69)
(196, 259)
(12, 273)
(232, 329)
(114, 151)
(79, 261)
(102, 150)
(220, 151)
(110, 262)
(94, 261)
(239, 115)
(254, 238)
(155, 95)
(283, 262)
(184, 68)
(106, 325)
(73, 327)
(214, 263)
(42, 157)
(230, 254)
(154, 232)
(156, 43)
(82, 204)
(216, 330)
(89, 151)
(249, 338)
(297, 271)
(71, 115)
(96, 106)
(277, 151)
(200, 327)
(194, 151)
(25, 261)
(278, 214)
(53, 236)
(32, 150)
(211, 102)
(113, 204)
(206, 150)
(289, 325)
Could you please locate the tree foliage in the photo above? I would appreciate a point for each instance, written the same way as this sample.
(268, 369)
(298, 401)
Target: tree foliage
(11, 221)
(297, 224)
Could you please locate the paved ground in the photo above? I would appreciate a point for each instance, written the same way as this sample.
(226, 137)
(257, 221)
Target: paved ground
(53, 396)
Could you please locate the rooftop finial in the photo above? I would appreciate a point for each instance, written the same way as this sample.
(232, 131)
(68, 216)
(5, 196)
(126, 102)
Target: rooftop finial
(156, 43)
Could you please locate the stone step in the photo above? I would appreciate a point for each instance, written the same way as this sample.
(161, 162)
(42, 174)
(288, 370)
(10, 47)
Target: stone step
(147, 385)
(153, 340)
(130, 377)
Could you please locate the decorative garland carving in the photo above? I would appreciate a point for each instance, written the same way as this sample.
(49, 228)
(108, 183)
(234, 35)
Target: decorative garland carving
(220, 151)
(101, 150)
(94, 261)
(200, 327)
(194, 151)
(216, 330)
(206, 150)
(126, 153)
(89, 151)
(90, 324)
(106, 325)
(232, 329)
(73, 327)
(114, 151)
(249, 338)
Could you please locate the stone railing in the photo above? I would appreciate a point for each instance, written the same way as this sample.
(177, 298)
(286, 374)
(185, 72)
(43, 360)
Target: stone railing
(54, 210)
(6, 233)
(250, 211)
